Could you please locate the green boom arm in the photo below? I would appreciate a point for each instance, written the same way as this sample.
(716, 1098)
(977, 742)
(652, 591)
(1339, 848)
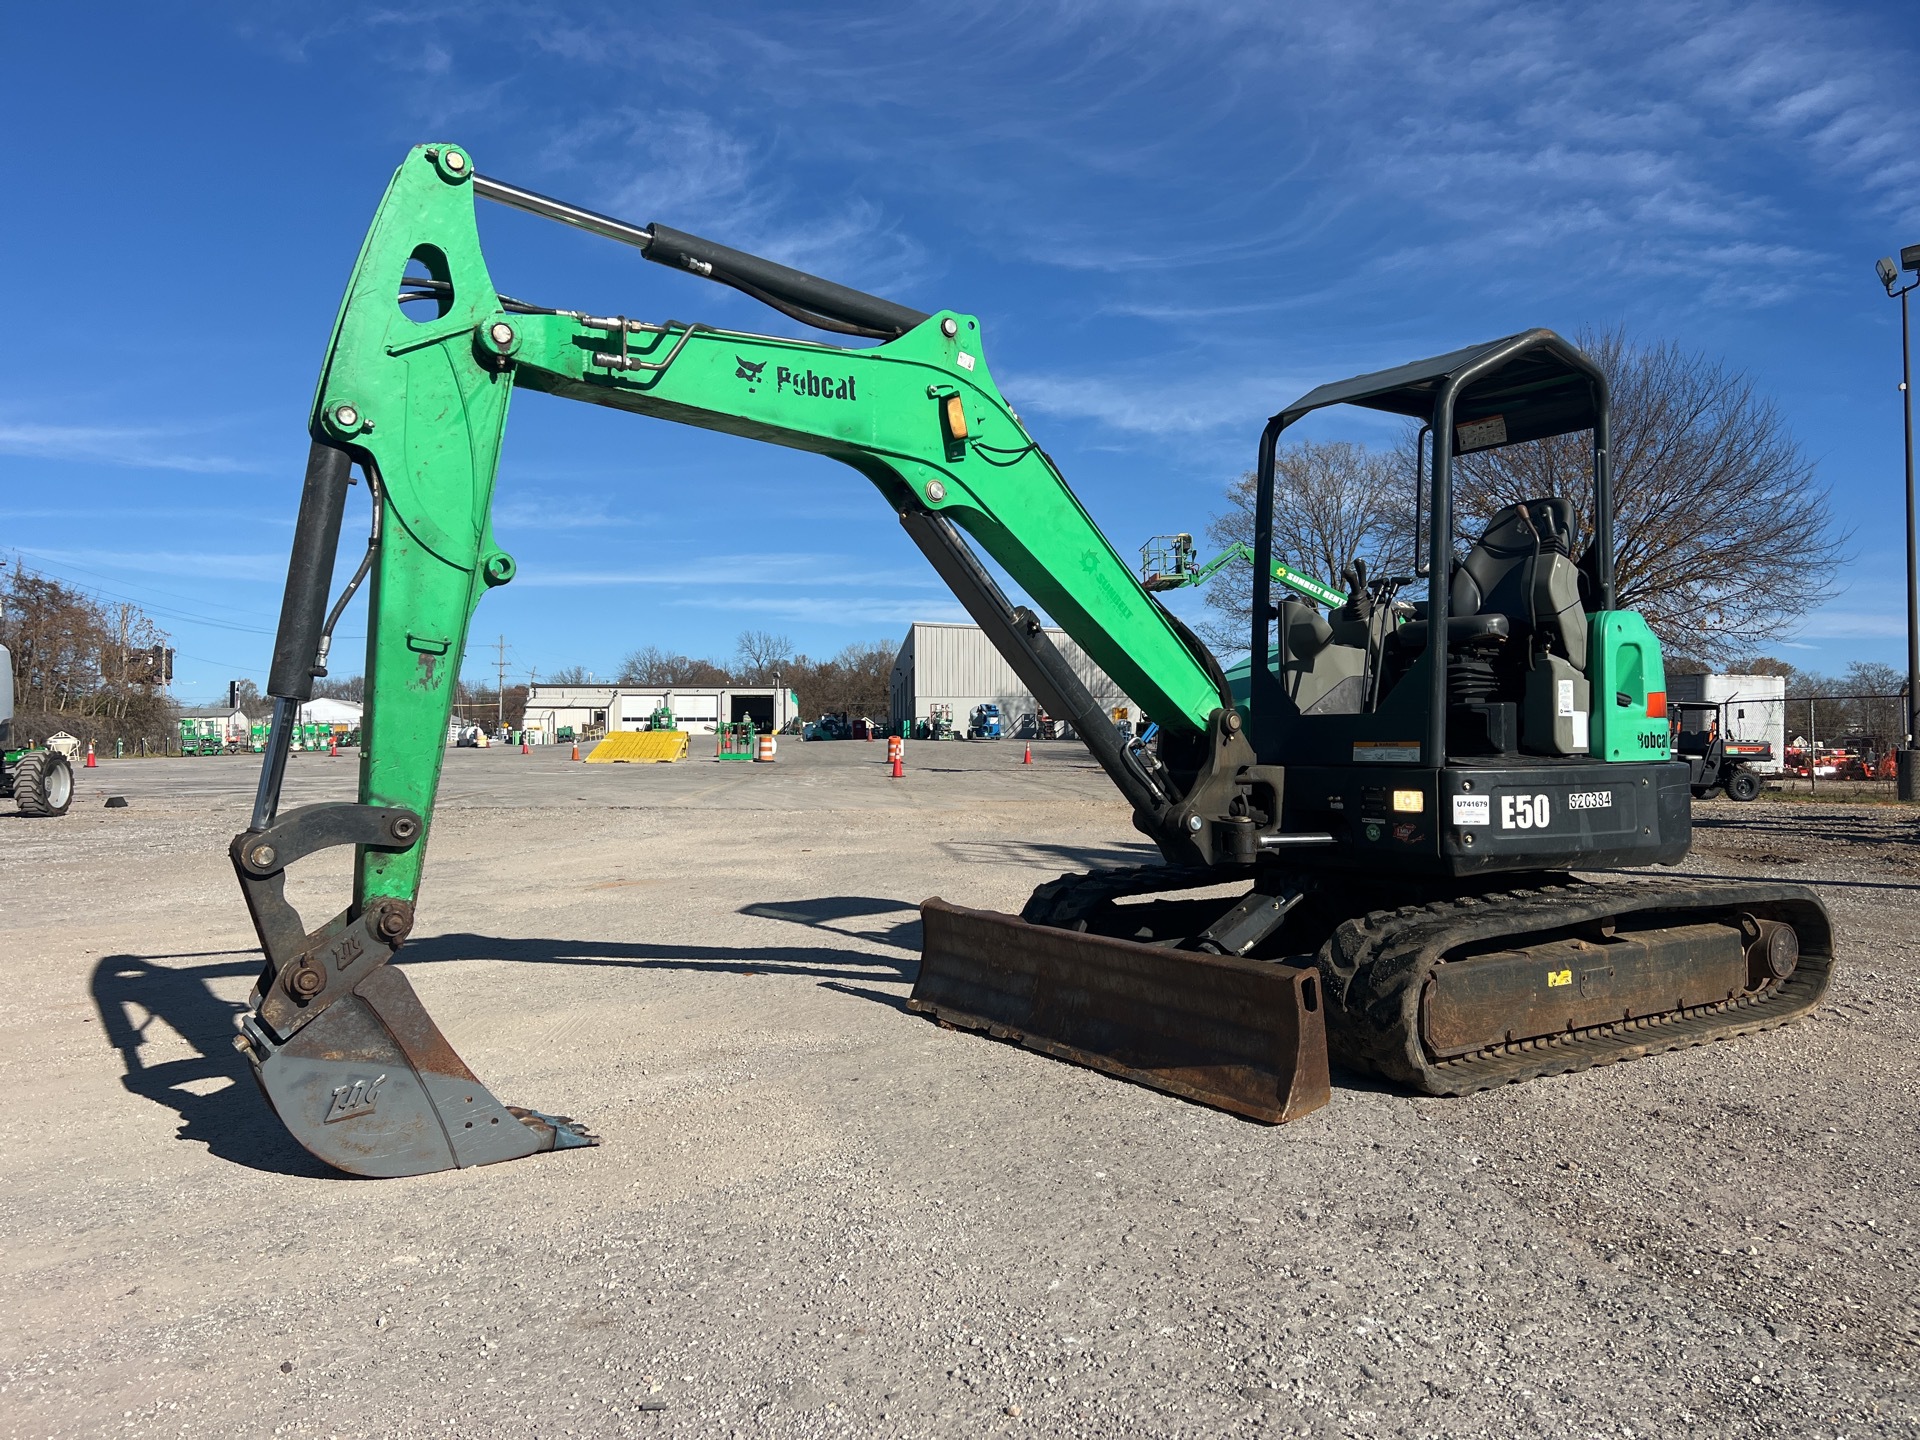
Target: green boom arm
(423, 404)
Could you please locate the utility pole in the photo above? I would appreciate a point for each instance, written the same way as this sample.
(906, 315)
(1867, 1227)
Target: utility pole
(1909, 764)
(500, 688)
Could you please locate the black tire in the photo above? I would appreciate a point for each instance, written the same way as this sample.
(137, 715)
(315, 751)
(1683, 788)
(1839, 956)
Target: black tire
(1743, 784)
(43, 784)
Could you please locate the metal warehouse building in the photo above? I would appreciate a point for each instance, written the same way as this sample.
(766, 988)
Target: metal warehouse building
(944, 664)
(698, 709)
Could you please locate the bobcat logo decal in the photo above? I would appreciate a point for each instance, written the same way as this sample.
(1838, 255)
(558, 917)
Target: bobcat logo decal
(748, 370)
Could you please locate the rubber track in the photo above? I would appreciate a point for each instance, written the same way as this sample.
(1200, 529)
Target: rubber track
(1376, 965)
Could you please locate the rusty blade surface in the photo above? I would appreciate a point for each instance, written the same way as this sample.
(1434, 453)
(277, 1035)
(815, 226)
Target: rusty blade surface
(1246, 1036)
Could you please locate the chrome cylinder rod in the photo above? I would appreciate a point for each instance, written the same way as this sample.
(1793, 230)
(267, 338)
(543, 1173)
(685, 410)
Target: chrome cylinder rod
(545, 205)
(273, 765)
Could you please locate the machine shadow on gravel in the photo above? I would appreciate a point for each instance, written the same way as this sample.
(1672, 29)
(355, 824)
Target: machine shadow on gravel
(1031, 852)
(132, 992)
(824, 912)
(1783, 820)
(819, 961)
(213, 1091)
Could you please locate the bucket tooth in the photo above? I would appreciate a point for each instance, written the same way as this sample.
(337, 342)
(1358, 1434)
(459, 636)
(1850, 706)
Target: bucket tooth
(1247, 1036)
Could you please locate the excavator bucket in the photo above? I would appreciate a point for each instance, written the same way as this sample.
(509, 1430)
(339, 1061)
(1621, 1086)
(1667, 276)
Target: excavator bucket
(372, 1087)
(341, 1046)
(1247, 1036)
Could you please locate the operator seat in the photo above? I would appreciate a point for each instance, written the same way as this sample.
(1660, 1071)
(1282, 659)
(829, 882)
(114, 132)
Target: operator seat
(1522, 569)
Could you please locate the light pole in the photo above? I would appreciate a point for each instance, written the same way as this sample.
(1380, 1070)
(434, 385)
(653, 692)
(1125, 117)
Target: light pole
(1909, 771)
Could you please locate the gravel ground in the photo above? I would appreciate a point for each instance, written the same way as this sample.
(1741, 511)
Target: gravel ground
(817, 1215)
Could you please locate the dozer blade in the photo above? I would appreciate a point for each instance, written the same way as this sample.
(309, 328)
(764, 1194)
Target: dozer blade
(372, 1087)
(1247, 1036)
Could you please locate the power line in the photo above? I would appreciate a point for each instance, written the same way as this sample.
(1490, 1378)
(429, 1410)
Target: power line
(164, 611)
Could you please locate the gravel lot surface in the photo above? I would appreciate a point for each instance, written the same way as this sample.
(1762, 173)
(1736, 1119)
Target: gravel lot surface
(817, 1215)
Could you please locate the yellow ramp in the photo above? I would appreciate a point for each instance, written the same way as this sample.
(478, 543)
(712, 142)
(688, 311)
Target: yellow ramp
(639, 747)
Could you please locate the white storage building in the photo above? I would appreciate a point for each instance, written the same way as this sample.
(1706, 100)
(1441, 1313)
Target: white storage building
(583, 709)
(229, 722)
(1756, 708)
(698, 709)
(328, 711)
(949, 664)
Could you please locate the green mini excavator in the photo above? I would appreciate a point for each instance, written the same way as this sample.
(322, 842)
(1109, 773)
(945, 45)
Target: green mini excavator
(1398, 803)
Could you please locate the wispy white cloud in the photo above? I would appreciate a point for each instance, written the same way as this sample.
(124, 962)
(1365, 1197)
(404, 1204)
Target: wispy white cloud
(560, 512)
(208, 565)
(145, 448)
(686, 168)
(1150, 405)
(1854, 625)
(869, 610)
(748, 573)
(222, 513)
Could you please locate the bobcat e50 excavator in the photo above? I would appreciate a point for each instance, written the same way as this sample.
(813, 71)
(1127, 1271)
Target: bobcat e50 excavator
(1396, 803)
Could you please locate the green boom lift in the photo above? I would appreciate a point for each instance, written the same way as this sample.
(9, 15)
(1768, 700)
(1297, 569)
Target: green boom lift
(1167, 563)
(1399, 801)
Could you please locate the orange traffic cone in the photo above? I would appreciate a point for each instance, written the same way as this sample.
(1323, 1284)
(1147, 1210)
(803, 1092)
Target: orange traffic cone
(333, 747)
(91, 764)
(899, 768)
(1027, 759)
(576, 751)
(523, 748)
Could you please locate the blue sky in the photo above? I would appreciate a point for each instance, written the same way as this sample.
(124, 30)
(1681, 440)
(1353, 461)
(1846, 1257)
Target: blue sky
(1172, 220)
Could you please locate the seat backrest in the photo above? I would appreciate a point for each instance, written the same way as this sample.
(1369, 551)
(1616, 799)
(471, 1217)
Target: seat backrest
(1497, 575)
(1557, 611)
(1521, 569)
(1307, 632)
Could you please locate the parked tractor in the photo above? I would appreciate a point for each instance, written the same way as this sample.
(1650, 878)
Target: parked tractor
(39, 781)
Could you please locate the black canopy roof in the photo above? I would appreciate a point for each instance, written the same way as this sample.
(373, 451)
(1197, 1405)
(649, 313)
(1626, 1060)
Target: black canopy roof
(1539, 386)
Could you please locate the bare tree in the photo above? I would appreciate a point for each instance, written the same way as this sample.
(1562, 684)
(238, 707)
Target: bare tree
(247, 696)
(759, 655)
(345, 687)
(485, 700)
(569, 675)
(1867, 700)
(1723, 536)
(855, 681)
(1878, 708)
(1333, 503)
(81, 665)
(654, 666)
